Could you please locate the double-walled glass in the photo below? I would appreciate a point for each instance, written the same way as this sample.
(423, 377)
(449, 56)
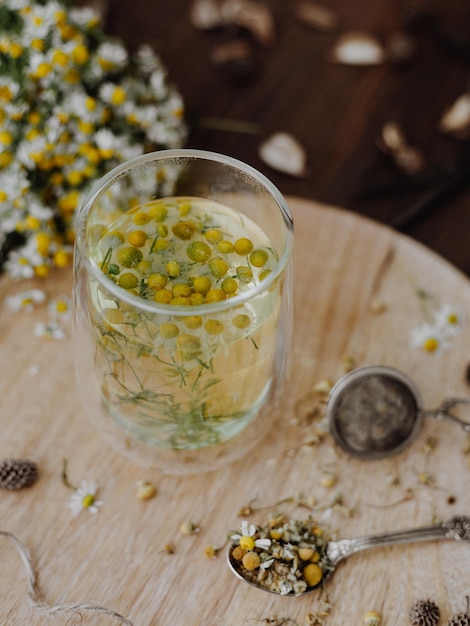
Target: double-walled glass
(183, 307)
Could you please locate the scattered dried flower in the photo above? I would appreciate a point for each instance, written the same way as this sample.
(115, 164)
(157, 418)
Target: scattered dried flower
(169, 548)
(466, 444)
(84, 498)
(372, 618)
(377, 307)
(358, 48)
(25, 300)
(394, 144)
(328, 479)
(349, 362)
(323, 387)
(430, 445)
(426, 479)
(50, 330)
(189, 528)
(316, 15)
(284, 153)
(456, 119)
(145, 490)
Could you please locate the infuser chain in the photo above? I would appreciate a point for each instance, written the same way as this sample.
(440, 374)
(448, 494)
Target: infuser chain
(443, 412)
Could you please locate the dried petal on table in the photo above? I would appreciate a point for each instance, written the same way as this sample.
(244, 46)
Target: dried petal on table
(284, 153)
(317, 16)
(456, 120)
(237, 58)
(358, 48)
(400, 48)
(206, 15)
(255, 17)
(394, 144)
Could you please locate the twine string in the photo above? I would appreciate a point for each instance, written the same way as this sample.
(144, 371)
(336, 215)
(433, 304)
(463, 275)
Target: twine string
(46, 609)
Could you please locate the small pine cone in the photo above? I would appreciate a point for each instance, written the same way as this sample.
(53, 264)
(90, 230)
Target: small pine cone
(425, 613)
(460, 619)
(17, 473)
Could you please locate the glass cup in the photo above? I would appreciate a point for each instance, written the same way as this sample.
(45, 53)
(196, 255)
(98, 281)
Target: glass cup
(183, 307)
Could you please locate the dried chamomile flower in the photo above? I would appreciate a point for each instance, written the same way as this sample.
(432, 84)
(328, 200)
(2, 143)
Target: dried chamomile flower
(84, 498)
(284, 153)
(169, 548)
(189, 528)
(424, 613)
(145, 490)
(328, 479)
(372, 618)
(377, 307)
(316, 15)
(358, 48)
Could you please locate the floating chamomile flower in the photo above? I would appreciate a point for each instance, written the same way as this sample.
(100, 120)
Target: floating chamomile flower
(84, 498)
(429, 337)
(246, 537)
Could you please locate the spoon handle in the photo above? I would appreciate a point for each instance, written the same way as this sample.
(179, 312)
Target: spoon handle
(457, 528)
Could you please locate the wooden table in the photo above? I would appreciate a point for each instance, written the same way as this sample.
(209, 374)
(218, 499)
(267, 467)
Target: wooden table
(336, 111)
(346, 266)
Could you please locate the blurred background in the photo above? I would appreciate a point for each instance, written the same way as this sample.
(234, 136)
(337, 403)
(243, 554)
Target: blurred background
(362, 86)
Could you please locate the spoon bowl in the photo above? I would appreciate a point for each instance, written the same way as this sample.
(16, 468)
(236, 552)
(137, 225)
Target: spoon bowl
(457, 528)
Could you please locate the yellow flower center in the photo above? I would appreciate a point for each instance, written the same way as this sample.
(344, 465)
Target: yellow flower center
(431, 344)
(88, 500)
(452, 318)
(247, 542)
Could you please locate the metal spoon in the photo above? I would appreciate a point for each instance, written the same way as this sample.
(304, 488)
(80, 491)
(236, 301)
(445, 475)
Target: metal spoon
(456, 528)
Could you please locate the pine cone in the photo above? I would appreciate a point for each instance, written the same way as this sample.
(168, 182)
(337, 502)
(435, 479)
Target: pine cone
(17, 473)
(425, 613)
(460, 619)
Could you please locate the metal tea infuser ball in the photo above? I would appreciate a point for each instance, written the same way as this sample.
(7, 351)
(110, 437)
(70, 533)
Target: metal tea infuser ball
(376, 411)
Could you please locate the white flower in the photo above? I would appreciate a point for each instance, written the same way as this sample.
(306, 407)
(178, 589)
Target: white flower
(429, 337)
(246, 537)
(449, 319)
(85, 498)
(25, 300)
(59, 308)
(52, 330)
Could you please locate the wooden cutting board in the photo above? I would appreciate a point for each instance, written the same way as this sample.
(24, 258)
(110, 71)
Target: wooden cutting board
(359, 295)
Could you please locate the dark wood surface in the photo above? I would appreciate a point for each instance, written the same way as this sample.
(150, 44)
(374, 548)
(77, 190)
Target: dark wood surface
(335, 111)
